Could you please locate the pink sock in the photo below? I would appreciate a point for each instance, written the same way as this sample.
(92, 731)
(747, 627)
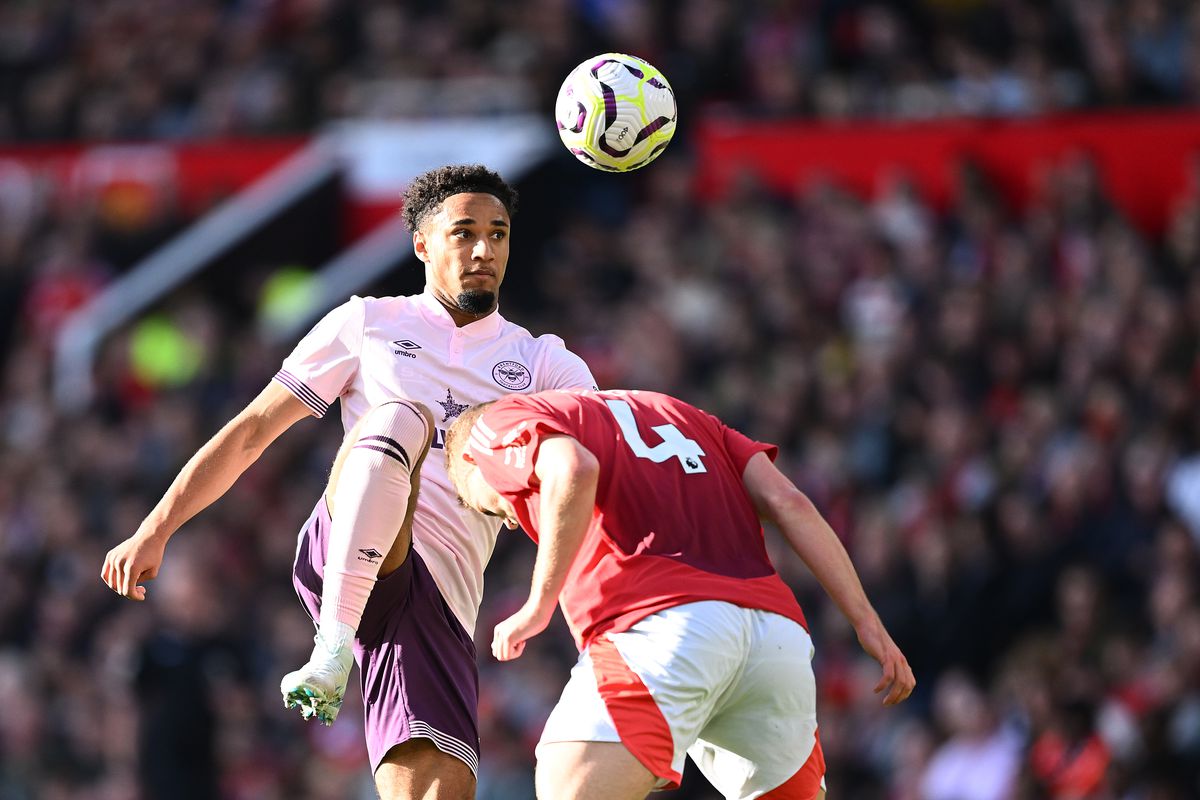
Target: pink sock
(369, 504)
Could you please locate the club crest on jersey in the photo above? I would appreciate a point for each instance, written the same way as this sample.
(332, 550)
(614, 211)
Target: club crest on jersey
(512, 375)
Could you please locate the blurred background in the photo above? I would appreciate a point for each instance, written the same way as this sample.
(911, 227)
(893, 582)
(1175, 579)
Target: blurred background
(946, 253)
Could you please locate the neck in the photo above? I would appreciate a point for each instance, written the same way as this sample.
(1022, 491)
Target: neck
(459, 316)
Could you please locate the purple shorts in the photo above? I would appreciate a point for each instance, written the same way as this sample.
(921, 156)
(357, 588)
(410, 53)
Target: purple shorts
(416, 663)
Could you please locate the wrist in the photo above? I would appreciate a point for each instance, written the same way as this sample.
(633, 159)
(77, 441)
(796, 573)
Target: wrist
(541, 605)
(865, 622)
(155, 528)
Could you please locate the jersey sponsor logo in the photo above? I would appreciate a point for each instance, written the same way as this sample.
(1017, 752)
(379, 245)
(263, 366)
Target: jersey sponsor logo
(439, 439)
(451, 408)
(402, 347)
(512, 375)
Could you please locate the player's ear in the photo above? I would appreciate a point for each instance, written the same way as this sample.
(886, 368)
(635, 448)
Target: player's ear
(419, 246)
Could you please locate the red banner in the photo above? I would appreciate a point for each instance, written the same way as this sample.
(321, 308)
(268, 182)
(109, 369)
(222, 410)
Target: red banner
(1145, 160)
(196, 173)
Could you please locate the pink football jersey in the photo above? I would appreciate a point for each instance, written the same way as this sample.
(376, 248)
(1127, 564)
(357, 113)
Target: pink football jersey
(373, 349)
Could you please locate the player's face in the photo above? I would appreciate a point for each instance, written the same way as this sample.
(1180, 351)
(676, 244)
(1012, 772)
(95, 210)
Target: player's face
(477, 494)
(464, 245)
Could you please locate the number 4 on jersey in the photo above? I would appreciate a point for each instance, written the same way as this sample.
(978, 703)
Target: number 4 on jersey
(674, 444)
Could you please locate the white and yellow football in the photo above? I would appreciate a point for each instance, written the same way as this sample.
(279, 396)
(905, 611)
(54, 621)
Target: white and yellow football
(615, 112)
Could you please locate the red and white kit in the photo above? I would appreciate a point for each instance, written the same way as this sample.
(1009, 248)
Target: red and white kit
(690, 641)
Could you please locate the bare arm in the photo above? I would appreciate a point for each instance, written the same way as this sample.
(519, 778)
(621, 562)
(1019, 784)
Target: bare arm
(778, 500)
(567, 473)
(204, 479)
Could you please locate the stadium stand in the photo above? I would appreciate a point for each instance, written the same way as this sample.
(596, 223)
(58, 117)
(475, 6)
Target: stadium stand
(996, 404)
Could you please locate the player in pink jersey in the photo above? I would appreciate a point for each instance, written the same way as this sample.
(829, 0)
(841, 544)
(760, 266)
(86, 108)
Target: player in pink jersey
(647, 514)
(391, 576)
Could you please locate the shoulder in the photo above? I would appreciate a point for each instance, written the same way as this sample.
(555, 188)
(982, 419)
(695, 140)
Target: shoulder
(556, 366)
(400, 304)
(543, 346)
(388, 312)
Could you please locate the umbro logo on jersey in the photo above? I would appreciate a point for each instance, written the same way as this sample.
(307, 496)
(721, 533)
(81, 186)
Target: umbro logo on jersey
(371, 553)
(402, 347)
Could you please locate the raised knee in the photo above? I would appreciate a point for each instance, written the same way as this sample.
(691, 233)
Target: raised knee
(401, 429)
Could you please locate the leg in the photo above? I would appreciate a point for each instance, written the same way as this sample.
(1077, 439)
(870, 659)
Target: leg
(417, 770)
(591, 771)
(417, 670)
(370, 483)
(371, 496)
(420, 689)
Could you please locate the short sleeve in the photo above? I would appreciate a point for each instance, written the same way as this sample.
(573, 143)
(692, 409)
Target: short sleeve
(324, 363)
(504, 443)
(742, 448)
(563, 369)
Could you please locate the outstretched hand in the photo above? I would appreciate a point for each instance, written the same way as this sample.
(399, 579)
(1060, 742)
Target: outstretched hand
(897, 674)
(508, 640)
(132, 562)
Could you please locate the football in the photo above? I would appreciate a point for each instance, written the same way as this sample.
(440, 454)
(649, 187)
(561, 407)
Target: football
(615, 112)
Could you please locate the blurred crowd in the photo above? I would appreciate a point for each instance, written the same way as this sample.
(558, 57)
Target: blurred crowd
(997, 408)
(1000, 412)
(176, 69)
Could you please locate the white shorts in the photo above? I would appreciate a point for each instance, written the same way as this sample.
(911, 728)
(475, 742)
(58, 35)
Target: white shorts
(729, 686)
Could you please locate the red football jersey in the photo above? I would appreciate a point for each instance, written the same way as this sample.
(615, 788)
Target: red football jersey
(673, 522)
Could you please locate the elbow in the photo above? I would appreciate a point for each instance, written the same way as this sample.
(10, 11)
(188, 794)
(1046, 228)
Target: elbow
(788, 503)
(580, 470)
(586, 468)
(562, 464)
(249, 435)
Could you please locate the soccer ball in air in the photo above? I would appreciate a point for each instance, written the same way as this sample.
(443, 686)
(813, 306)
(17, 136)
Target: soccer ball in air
(615, 112)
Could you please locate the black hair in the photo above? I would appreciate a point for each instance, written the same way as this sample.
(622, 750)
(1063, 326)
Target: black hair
(429, 189)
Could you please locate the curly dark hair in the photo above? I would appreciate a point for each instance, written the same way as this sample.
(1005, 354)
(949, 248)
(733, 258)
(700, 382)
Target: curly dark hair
(429, 189)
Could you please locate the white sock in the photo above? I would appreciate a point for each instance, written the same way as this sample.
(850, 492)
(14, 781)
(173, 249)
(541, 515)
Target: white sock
(369, 504)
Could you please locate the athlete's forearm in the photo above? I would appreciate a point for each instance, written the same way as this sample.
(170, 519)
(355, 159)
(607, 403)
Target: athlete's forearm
(222, 459)
(568, 474)
(820, 549)
(778, 500)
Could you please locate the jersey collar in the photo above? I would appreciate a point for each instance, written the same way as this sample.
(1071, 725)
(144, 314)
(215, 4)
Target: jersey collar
(479, 329)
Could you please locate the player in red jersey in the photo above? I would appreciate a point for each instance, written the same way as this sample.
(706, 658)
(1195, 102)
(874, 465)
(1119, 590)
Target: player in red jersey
(647, 514)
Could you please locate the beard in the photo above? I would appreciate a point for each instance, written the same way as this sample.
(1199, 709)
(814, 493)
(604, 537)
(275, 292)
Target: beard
(476, 301)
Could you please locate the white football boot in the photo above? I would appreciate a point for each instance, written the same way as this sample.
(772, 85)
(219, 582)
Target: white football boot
(318, 687)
